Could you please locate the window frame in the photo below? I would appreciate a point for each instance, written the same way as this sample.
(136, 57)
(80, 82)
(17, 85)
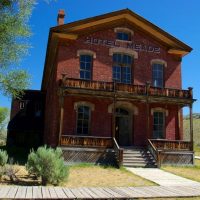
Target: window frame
(89, 121)
(22, 104)
(91, 67)
(122, 65)
(123, 33)
(164, 126)
(163, 75)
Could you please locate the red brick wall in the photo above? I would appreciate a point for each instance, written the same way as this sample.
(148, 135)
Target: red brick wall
(68, 63)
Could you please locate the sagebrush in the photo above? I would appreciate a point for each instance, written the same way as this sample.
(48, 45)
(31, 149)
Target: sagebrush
(47, 164)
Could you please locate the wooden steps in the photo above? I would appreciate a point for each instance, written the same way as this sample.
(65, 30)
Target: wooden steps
(137, 157)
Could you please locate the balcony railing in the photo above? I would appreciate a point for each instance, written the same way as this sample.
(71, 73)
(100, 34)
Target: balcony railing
(128, 88)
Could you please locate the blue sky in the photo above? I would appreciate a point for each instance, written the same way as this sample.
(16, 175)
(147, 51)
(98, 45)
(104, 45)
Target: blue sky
(181, 18)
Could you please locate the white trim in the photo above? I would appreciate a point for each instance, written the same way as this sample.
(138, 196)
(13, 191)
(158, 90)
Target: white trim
(84, 103)
(159, 61)
(124, 51)
(123, 29)
(126, 105)
(86, 52)
(159, 109)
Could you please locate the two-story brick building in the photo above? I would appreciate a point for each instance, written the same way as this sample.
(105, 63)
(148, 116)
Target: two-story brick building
(114, 81)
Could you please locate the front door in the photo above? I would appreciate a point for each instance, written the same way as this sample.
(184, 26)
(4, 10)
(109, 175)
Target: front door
(123, 127)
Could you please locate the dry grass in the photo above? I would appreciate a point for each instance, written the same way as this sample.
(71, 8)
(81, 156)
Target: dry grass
(192, 172)
(86, 175)
(96, 176)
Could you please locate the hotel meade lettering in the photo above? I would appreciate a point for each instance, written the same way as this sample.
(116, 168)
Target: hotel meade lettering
(130, 45)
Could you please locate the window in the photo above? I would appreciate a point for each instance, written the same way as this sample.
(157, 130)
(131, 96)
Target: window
(158, 75)
(85, 66)
(123, 36)
(158, 125)
(122, 68)
(83, 119)
(22, 105)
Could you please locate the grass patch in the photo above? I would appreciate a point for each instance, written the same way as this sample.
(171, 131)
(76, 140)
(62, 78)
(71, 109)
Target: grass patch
(86, 175)
(190, 172)
(99, 176)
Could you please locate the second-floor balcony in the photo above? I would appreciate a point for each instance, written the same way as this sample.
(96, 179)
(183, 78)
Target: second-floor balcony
(129, 90)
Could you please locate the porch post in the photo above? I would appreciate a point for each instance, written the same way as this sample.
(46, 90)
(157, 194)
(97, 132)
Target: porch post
(114, 107)
(191, 128)
(61, 115)
(147, 109)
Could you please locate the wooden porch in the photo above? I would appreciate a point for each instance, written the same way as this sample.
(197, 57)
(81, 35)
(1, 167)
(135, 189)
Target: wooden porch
(92, 149)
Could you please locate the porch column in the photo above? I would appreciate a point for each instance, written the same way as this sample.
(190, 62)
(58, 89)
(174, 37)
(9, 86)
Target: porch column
(191, 128)
(147, 109)
(61, 115)
(114, 108)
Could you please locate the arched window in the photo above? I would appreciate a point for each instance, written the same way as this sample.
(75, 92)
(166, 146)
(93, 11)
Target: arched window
(123, 33)
(158, 124)
(83, 120)
(122, 68)
(158, 75)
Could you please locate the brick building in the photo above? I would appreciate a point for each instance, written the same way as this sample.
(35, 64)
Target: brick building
(114, 82)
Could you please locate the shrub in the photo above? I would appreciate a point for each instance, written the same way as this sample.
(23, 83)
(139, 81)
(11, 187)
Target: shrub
(3, 158)
(48, 164)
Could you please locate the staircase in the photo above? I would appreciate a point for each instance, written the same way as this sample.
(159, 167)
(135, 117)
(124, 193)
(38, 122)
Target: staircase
(137, 157)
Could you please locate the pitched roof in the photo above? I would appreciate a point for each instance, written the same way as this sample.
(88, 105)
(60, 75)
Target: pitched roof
(77, 28)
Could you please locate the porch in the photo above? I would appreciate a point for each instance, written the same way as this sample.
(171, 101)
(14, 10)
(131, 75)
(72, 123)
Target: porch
(163, 151)
(94, 149)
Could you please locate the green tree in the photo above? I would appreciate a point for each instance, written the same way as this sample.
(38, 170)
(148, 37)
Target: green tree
(14, 33)
(3, 121)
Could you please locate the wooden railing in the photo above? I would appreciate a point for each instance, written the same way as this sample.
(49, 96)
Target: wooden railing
(118, 151)
(86, 141)
(171, 151)
(120, 87)
(171, 144)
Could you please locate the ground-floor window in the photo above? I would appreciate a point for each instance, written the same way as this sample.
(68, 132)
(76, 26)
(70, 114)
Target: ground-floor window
(83, 120)
(158, 125)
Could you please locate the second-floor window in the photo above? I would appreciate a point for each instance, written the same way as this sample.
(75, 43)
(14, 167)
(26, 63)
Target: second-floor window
(158, 75)
(122, 68)
(86, 67)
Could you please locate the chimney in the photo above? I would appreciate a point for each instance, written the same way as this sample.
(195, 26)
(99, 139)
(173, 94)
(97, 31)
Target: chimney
(61, 17)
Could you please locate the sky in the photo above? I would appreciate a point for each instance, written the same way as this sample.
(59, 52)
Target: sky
(180, 18)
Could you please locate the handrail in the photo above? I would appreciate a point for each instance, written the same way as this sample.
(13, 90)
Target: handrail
(119, 152)
(130, 88)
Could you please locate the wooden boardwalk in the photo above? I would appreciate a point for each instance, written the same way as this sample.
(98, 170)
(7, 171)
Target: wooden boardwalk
(40, 192)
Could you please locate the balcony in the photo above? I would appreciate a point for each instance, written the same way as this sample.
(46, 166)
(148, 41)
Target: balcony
(126, 90)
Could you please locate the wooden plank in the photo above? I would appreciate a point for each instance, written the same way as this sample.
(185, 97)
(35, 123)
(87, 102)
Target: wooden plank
(120, 192)
(21, 192)
(60, 193)
(85, 193)
(109, 195)
(178, 192)
(154, 192)
(12, 192)
(91, 193)
(37, 192)
(98, 192)
(163, 191)
(77, 193)
(4, 192)
(68, 193)
(45, 193)
(194, 191)
(140, 192)
(52, 192)
(115, 194)
(29, 192)
(129, 192)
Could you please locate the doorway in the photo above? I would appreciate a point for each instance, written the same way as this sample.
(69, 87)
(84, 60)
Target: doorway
(123, 130)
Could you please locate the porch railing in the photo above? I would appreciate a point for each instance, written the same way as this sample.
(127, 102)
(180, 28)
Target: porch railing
(118, 151)
(120, 87)
(86, 141)
(171, 151)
